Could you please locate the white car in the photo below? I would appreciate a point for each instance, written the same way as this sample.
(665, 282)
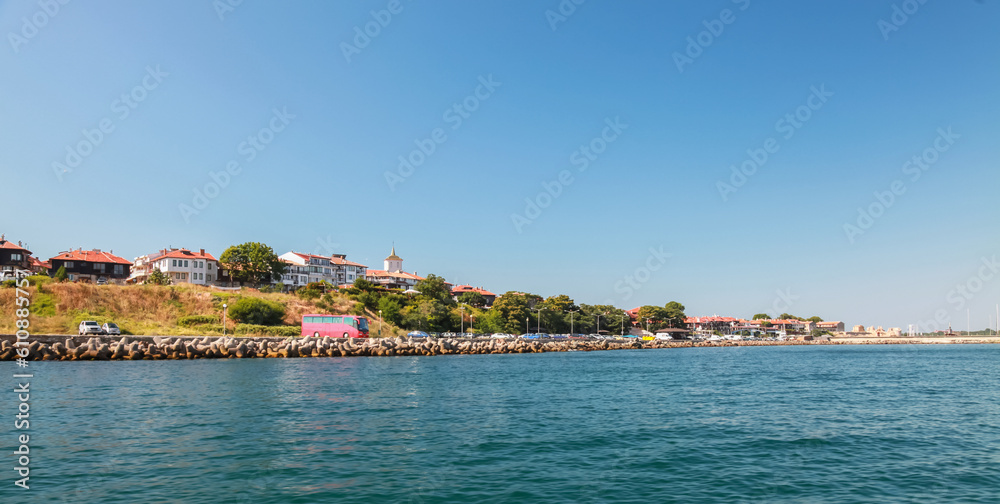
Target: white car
(89, 327)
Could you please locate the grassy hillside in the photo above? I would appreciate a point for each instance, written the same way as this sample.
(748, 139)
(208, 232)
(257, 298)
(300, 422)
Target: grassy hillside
(58, 308)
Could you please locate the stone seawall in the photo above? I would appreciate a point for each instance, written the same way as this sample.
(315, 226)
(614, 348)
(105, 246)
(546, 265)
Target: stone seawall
(161, 348)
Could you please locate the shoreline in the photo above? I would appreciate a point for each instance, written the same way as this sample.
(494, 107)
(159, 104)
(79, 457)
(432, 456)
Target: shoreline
(75, 348)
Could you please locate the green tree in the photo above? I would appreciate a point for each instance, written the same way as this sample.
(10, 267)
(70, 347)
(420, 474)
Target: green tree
(656, 315)
(158, 277)
(251, 310)
(61, 274)
(675, 315)
(513, 308)
(391, 310)
(253, 263)
(761, 316)
(363, 284)
(472, 299)
(434, 287)
(427, 315)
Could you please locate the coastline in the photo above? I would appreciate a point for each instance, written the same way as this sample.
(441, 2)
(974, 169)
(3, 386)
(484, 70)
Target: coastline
(74, 348)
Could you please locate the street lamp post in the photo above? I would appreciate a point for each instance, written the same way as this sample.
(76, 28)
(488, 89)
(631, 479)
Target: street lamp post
(224, 309)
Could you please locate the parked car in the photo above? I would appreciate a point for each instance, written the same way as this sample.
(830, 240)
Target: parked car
(417, 334)
(89, 327)
(111, 328)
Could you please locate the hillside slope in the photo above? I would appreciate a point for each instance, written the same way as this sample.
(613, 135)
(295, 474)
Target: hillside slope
(58, 308)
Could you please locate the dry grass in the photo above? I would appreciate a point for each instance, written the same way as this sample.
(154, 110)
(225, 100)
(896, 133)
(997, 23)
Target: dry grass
(144, 309)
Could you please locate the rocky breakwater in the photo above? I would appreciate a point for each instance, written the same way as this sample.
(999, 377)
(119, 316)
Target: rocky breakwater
(157, 348)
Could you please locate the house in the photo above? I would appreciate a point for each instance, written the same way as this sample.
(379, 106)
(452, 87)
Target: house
(40, 267)
(91, 266)
(302, 269)
(347, 271)
(393, 276)
(834, 327)
(462, 289)
(13, 256)
(180, 265)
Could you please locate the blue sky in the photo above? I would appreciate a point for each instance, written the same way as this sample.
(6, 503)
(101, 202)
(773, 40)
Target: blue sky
(204, 80)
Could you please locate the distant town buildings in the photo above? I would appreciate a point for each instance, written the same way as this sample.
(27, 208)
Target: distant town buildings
(91, 266)
(393, 276)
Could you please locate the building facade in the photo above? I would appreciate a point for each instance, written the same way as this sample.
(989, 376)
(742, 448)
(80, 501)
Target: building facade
(91, 266)
(180, 266)
(13, 256)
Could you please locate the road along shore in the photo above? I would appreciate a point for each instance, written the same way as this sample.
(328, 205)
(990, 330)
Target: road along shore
(69, 348)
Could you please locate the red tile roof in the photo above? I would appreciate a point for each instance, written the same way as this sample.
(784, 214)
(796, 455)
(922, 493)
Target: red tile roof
(94, 256)
(187, 254)
(345, 262)
(462, 289)
(9, 245)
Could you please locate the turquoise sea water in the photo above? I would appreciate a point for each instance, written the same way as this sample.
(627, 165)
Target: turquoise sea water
(772, 424)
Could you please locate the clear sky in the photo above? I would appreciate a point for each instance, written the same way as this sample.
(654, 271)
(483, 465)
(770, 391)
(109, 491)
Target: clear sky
(507, 97)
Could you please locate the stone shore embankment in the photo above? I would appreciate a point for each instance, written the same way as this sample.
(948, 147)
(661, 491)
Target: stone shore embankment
(161, 348)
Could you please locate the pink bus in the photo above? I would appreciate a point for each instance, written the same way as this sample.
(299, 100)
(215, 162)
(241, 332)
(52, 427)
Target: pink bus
(334, 326)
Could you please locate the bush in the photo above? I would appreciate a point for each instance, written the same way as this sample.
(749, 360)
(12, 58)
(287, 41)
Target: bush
(257, 311)
(193, 320)
(264, 330)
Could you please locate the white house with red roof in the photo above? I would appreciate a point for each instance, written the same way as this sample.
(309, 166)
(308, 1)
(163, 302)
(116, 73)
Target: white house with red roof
(180, 265)
(347, 271)
(91, 266)
(302, 269)
(393, 276)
